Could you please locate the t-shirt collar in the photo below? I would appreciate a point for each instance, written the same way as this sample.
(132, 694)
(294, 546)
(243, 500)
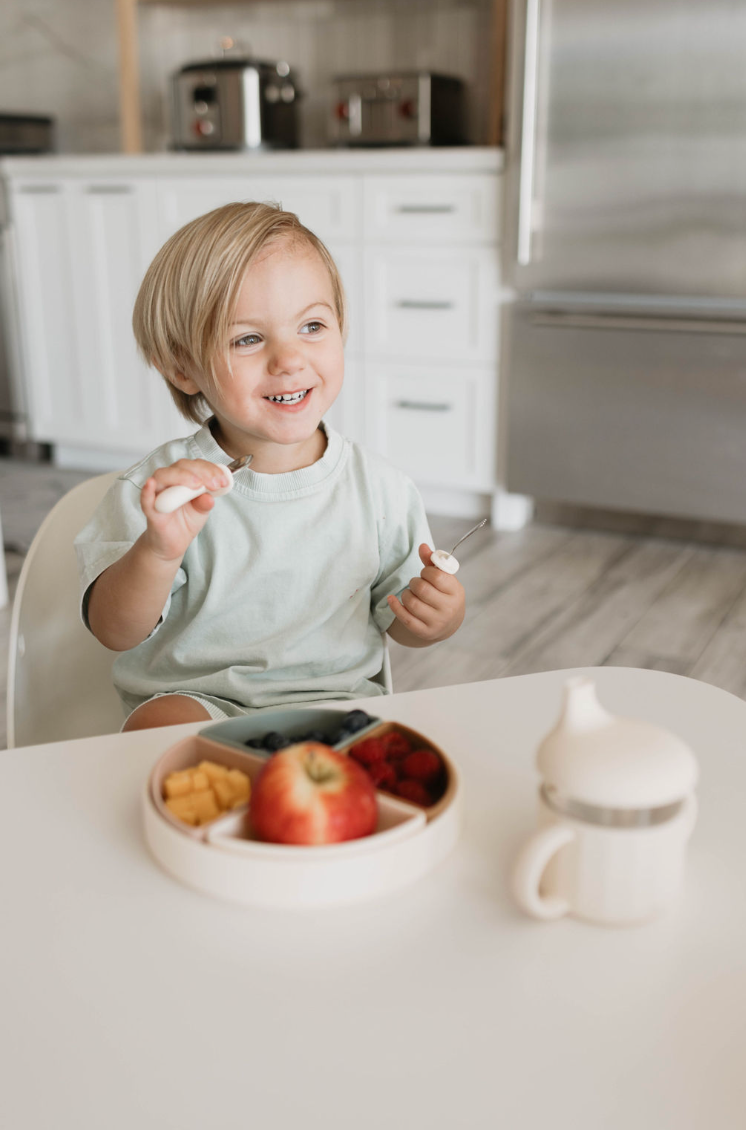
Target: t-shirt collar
(287, 482)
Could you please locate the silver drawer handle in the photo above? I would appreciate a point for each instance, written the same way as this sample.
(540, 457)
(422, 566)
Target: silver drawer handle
(412, 304)
(426, 209)
(40, 189)
(423, 406)
(108, 189)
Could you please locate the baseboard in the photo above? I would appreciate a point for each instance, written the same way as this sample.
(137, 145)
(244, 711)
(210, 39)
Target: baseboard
(640, 525)
(453, 503)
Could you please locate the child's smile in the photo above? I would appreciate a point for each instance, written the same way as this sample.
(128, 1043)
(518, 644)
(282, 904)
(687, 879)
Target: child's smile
(284, 364)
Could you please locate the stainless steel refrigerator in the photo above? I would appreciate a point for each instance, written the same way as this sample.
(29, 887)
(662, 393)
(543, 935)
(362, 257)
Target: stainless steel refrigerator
(625, 350)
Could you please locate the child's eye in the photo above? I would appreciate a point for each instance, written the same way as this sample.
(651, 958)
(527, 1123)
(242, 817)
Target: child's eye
(312, 327)
(246, 340)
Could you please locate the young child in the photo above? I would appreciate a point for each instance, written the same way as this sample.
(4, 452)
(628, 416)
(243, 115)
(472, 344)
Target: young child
(277, 593)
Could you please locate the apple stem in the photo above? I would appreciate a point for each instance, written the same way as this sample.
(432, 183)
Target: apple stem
(318, 773)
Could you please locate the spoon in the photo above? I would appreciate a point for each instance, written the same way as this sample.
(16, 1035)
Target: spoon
(446, 561)
(172, 498)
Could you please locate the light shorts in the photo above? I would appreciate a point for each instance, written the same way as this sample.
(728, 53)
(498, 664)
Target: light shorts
(218, 708)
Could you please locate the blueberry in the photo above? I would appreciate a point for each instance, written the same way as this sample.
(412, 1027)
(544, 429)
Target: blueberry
(273, 741)
(254, 743)
(356, 720)
(314, 736)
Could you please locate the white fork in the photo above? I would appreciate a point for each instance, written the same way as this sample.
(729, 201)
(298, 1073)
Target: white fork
(172, 498)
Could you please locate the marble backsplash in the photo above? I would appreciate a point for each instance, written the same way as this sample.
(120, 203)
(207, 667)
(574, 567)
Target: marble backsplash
(59, 57)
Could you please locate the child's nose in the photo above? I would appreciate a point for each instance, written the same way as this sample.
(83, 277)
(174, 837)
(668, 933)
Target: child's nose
(286, 359)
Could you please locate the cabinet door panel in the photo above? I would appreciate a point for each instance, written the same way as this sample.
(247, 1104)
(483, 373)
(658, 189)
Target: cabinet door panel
(438, 427)
(438, 304)
(329, 206)
(115, 234)
(432, 210)
(48, 335)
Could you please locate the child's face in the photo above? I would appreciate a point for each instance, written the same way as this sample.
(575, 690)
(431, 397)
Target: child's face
(284, 342)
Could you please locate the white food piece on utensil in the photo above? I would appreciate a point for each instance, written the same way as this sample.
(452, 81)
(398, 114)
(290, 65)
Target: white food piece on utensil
(444, 561)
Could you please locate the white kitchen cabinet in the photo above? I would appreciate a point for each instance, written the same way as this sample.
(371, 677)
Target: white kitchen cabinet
(436, 211)
(419, 258)
(436, 302)
(329, 206)
(432, 306)
(82, 250)
(48, 332)
(431, 423)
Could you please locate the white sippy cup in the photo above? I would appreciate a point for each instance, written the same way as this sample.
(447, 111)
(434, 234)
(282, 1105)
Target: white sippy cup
(616, 809)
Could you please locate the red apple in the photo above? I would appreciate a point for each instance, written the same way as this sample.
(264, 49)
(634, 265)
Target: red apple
(310, 794)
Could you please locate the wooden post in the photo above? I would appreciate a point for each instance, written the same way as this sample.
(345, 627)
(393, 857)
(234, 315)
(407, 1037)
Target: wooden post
(129, 77)
(496, 124)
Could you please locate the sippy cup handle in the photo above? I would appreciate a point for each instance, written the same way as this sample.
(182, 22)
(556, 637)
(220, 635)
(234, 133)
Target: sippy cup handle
(530, 866)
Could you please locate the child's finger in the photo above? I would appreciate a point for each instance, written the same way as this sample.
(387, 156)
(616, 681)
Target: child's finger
(427, 592)
(443, 582)
(426, 553)
(406, 618)
(424, 612)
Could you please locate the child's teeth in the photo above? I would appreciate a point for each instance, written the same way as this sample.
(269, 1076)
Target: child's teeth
(291, 398)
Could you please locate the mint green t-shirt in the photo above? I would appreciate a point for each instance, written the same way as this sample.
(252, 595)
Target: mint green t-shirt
(281, 598)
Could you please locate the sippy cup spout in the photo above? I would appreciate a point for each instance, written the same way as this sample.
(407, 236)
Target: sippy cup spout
(581, 710)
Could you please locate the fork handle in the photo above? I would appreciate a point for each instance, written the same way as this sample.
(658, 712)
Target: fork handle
(172, 498)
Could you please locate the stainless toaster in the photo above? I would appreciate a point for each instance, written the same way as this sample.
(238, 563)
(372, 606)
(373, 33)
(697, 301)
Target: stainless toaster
(234, 104)
(399, 108)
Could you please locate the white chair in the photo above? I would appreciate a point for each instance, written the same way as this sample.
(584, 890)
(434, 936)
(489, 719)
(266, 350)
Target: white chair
(59, 675)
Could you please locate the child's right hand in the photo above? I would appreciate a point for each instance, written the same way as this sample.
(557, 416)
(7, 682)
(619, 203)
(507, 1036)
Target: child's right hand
(168, 536)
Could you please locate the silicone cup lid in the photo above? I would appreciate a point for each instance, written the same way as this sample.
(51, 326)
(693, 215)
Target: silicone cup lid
(596, 758)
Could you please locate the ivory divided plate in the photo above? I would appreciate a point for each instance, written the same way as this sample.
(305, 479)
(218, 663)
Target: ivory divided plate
(223, 860)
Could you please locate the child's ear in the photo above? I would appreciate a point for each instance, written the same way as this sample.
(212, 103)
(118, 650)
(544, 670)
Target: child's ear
(183, 382)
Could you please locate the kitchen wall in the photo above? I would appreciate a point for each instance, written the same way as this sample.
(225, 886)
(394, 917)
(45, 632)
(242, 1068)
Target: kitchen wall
(60, 56)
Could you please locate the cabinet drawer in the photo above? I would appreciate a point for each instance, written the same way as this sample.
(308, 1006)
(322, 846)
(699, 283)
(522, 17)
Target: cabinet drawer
(432, 303)
(425, 208)
(439, 429)
(329, 206)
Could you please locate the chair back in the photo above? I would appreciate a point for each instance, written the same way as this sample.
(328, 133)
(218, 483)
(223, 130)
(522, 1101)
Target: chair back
(59, 675)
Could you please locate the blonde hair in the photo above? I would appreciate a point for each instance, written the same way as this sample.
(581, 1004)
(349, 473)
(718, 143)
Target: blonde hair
(186, 301)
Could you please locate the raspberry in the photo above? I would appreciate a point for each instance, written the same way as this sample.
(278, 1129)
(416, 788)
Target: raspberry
(397, 745)
(414, 791)
(421, 765)
(369, 751)
(382, 775)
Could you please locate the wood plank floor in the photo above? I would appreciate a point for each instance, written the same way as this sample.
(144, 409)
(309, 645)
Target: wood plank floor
(547, 597)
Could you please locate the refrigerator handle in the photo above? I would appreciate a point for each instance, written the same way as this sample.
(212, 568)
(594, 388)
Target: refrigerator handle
(528, 131)
(650, 323)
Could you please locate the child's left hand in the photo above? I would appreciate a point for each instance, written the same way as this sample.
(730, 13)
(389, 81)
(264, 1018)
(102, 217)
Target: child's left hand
(431, 608)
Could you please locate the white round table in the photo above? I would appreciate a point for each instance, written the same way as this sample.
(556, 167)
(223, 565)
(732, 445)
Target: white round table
(129, 1001)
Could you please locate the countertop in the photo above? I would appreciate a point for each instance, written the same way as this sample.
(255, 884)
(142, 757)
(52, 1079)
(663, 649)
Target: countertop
(464, 159)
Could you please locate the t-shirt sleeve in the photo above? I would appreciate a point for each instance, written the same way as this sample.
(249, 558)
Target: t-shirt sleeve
(114, 528)
(402, 528)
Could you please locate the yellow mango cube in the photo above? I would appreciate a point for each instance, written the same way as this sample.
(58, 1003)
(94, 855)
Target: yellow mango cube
(240, 784)
(205, 806)
(200, 781)
(224, 793)
(212, 771)
(178, 784)
(183, 809)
